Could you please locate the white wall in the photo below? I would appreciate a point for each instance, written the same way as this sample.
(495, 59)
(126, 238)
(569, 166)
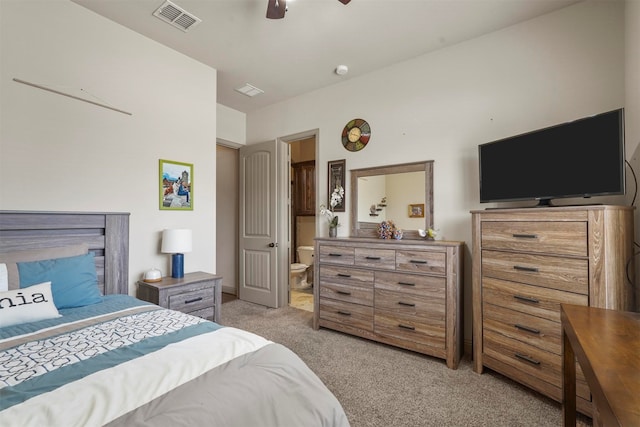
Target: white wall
(61, 154)
(440, 106)
(632, 109)
(232, 125)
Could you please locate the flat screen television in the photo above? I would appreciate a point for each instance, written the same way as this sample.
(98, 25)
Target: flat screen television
(582, 158)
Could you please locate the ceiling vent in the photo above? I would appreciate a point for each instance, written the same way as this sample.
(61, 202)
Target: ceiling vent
(176, 16)
(249, 90)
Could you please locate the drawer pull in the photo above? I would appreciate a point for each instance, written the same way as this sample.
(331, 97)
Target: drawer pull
(189, 301)
(526, 299)
(374, 258)
(343, 292)
(343, 275)
(410, 328)
(529, 269)
(332, 254)
(406, 284)
(525, 236)
(527, 358)
(406, 304)
(344, 313)
(527, 328)
(417, 261)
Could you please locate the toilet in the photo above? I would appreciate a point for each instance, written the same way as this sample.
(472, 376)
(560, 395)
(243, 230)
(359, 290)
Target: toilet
(298, 271)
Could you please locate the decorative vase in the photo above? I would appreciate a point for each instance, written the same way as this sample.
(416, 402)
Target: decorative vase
(397, 234)
(333, 231)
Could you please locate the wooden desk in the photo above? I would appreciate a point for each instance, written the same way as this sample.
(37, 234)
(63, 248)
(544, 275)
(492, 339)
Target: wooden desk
(607, 345)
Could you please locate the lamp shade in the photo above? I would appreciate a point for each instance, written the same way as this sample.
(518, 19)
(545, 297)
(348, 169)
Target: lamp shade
(176, 241)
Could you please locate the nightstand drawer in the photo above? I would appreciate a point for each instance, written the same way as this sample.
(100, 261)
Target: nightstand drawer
(205, 313)
(550, 237)
(192, 301)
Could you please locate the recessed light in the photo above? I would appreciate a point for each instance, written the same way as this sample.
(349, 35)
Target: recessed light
(341, 70)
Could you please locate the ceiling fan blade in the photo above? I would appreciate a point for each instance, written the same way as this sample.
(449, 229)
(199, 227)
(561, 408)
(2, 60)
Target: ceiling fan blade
(276, 9)
(344, 1)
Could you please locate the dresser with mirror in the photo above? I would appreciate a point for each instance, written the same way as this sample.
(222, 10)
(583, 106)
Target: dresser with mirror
(406, 293)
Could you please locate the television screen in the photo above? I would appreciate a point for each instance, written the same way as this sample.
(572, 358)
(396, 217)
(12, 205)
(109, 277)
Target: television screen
(582, 158)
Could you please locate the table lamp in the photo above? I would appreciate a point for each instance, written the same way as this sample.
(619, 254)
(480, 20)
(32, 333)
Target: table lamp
(176, 242)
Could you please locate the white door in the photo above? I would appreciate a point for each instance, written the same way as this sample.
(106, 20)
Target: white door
(263, 244)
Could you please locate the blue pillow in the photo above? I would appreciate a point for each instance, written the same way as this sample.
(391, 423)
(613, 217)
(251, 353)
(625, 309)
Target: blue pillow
(74, 282)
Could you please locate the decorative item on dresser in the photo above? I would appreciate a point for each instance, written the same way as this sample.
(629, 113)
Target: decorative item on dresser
(198, 294)
(526, 262)
(404, 293)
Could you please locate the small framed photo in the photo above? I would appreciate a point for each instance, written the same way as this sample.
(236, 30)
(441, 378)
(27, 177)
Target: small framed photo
(176, 185)
(416, 211)
(336, 179)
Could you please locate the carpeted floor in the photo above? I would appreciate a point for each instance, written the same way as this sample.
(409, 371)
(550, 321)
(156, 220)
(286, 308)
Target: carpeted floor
(380, 385)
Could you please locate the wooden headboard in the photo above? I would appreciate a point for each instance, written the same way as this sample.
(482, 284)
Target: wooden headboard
(106, 235)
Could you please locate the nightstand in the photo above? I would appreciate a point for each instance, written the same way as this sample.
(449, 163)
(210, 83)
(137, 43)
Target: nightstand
(198, 294)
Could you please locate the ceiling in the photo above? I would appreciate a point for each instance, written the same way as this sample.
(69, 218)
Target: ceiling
(298, 54)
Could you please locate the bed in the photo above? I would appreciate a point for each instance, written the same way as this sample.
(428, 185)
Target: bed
(74, 356)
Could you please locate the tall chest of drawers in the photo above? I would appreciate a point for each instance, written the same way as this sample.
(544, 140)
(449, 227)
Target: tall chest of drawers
(526, 262)
(403, 293)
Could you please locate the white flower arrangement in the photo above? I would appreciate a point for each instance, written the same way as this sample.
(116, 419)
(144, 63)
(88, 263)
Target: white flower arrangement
(336, 198)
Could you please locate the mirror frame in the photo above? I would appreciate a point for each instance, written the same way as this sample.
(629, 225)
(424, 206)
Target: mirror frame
(370, 229)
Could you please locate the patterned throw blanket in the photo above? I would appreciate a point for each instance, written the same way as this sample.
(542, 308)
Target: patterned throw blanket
(124, 361)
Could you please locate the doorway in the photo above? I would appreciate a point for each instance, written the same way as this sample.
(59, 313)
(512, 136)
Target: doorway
(302, 221)
(227, 194)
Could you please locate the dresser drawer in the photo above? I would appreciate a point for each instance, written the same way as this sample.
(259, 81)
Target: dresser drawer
(533, 300)
(376, 258)
(527, 359)
(192, 300)
(568, 274)
(410, 305)
(421, 261)
(346, 293)
(336, 254)
(355, 315)
(430, 332)
(346, 276)
(428, 286)
(533, 330)
(533, 361)
(549, 237)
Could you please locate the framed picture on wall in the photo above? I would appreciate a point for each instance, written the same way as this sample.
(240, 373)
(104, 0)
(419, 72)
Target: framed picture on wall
(176, 185)
(336, 180)
(416, 211)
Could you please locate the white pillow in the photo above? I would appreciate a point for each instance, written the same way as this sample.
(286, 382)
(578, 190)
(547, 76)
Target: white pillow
(4, 278)
(27, 305)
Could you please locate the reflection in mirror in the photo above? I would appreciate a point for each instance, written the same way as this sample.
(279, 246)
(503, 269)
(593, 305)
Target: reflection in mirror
(401, 193)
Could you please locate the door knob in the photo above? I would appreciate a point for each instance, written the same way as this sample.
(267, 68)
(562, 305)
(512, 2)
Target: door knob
(273, 245)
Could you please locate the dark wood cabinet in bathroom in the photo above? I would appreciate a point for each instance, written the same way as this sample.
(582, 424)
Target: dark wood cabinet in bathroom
(304, 188)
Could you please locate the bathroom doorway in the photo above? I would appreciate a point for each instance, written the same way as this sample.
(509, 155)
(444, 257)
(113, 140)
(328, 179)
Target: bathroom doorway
(302, 221)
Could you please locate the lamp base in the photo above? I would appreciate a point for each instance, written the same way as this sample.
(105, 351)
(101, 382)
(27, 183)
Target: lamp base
(177, 266)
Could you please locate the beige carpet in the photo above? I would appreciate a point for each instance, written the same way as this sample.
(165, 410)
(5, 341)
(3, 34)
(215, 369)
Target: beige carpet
(382, 386)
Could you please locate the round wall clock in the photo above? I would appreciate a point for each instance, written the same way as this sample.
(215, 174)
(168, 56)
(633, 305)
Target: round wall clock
(356, 135)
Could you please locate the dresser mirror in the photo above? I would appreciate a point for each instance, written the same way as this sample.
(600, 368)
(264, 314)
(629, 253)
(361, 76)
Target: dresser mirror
(401, 193)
